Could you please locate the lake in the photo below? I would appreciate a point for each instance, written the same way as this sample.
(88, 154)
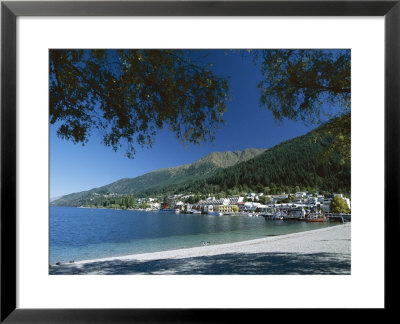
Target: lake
(90, 233)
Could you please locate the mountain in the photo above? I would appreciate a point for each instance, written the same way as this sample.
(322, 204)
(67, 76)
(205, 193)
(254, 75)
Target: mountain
(309, 162)
(54, 198)
(164, 178)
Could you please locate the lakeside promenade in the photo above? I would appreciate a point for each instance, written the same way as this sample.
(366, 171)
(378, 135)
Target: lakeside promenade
(321, 251)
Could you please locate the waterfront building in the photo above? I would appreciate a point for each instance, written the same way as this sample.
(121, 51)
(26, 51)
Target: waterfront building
(226, 208)
(207, 208)
(241, 206)
(223, 201)
(251, 205)
(326, 204)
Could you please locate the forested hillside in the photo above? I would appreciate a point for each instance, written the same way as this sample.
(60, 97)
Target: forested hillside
(297, 164)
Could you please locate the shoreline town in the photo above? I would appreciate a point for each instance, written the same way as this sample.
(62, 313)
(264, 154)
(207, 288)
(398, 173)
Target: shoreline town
(301, 206)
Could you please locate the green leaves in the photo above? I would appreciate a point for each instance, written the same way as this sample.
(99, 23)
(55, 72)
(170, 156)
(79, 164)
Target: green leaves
(301, 84)
(339, 205)
(128, 95)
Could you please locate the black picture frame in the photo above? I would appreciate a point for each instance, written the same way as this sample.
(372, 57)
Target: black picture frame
(10, 10)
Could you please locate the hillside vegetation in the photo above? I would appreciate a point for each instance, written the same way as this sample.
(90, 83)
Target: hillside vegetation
(309, 162)
(164, 178)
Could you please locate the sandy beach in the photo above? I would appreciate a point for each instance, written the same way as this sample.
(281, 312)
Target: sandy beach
(322, 251)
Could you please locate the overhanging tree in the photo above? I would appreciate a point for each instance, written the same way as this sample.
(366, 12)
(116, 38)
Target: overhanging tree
(128, 95)
(303, 84)
(311, 86)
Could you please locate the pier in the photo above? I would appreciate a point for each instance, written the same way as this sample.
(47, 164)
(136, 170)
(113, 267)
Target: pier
(329, 217)
(332, 217)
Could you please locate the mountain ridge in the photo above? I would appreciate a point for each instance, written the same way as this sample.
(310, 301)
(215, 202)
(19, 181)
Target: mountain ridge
(201, 168)
(310, 162)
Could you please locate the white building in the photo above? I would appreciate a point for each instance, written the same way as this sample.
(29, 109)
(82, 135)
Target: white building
(155, 205)
(251, 205)
(236, 199)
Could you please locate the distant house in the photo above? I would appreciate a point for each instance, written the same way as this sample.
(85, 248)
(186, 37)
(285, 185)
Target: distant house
(155, 205)
(187, 196)
(252, 196)
(236, 199)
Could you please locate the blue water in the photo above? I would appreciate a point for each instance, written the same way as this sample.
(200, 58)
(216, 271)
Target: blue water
(89, 233)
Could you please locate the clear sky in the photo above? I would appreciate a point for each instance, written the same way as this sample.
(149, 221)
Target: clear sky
(74, 167)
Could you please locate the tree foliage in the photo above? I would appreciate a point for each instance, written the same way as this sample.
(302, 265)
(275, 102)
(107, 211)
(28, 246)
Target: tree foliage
(128, 95)
(120, 202)
(340, 130)
(339, 205)
(303, 84)
(311, 86)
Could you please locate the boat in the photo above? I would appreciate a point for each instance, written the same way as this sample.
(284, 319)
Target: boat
(214, 213)
(169, 210)
(280, 214)
(197, 212)
(317, 220)
(315, 217)
(267, 215)
(253, 214)
(296, 213)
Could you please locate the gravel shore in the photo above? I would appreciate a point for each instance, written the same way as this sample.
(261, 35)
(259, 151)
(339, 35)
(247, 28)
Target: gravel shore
(321, 251)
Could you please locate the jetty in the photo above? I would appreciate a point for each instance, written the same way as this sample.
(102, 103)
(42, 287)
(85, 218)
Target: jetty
(300, 215)
(338, 217)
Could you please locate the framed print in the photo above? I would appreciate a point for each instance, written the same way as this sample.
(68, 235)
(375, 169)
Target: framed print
(218, 145)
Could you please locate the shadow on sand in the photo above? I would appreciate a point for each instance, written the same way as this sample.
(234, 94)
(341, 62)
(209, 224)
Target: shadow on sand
(223, 264)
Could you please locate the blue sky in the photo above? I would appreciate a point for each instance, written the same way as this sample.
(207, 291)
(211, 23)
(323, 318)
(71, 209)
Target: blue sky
(74, 167)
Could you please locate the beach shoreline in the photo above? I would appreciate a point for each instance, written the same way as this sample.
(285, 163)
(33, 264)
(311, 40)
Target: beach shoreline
(329, 243)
